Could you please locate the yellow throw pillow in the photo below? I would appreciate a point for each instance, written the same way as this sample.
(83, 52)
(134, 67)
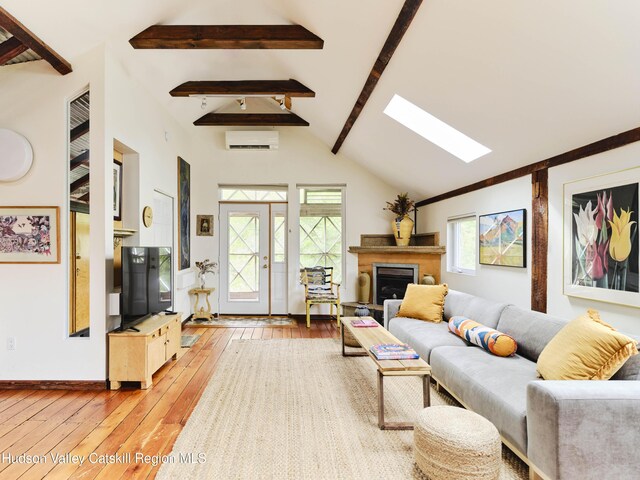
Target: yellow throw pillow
(585, 349)
(424, 302)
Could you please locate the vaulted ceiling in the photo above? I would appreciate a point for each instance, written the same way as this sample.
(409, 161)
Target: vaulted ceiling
(527, 79)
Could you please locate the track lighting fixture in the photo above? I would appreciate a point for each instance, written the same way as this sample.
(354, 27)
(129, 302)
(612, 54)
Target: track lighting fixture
(283, 105)
(204, 103)
(243, 104)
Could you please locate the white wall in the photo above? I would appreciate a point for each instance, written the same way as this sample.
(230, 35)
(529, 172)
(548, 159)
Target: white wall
(496, 283)
(514, 285)
(301, 159)
(137, 120)
(626, 319)
(35, 297)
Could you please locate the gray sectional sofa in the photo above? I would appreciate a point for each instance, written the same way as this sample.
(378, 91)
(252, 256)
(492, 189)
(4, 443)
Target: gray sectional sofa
(563, 429)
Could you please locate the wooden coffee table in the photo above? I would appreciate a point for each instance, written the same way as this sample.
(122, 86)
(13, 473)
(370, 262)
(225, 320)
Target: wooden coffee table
(369, 336)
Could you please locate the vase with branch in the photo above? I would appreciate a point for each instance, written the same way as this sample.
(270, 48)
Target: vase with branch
(204, 267)
(402, 224)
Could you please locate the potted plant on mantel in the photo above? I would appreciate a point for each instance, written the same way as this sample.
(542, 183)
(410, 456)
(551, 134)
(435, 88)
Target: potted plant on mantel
(402, 224)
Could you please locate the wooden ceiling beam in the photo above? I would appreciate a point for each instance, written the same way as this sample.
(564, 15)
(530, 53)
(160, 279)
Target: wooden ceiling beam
(82, 159)
(227, 37)
(29, 39)
(79, 131)
(11, 48)
(604, 145)
(81, 182)
(268, 88)
(252, 120)
(400, 27)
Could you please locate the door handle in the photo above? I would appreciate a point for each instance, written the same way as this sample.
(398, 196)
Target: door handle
(265, 266)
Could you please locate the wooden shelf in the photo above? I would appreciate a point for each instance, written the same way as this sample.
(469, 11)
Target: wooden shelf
(120, 233)
(440, 250)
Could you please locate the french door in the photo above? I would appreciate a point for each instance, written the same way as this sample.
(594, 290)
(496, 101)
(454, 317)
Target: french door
(252, 258)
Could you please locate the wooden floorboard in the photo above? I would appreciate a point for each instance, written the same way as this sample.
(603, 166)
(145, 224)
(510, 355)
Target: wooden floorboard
(48, 422)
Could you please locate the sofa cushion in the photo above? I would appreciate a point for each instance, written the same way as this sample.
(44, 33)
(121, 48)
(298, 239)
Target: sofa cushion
(494, 387)
(531, 330)
(424, 336)
(486, 338)
(631, 369)
(424, 302)
(482, 311)
(586, 348)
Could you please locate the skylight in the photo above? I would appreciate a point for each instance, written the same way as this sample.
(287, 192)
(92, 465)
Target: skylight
(435, 130)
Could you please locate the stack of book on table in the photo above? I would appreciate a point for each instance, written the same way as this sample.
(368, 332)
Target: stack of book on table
(394, 351)
(364, 322)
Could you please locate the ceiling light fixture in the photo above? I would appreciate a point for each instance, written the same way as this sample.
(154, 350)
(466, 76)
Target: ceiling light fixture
(283, 105)
(243, 103)
(434, 130)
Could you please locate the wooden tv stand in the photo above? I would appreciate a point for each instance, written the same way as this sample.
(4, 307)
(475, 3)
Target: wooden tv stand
(136, 356)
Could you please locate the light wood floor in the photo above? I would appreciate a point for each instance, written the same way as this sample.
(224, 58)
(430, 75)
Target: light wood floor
(44, 422)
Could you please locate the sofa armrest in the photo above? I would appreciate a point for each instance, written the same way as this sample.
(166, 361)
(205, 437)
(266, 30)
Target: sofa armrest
(391, 308)
(584, 429)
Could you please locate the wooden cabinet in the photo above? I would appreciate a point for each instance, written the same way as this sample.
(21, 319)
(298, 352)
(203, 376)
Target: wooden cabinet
(136, 356)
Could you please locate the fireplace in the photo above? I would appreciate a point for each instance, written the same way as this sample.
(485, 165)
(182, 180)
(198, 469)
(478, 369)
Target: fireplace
(390, 280)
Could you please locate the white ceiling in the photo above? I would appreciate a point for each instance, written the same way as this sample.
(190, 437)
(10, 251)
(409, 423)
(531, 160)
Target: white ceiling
(527, 79)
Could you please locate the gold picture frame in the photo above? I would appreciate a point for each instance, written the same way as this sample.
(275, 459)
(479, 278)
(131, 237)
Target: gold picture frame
(204, 225)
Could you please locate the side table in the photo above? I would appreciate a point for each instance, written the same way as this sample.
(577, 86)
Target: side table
(201, 313)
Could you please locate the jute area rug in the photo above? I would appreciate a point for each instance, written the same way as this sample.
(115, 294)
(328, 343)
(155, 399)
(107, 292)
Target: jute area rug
(297, 409)
(244, 322)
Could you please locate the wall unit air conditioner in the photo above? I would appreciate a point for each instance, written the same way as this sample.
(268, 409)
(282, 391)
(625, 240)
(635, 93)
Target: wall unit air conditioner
(252, 140)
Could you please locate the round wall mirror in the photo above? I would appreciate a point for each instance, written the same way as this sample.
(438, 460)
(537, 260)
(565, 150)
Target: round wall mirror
(16, 155)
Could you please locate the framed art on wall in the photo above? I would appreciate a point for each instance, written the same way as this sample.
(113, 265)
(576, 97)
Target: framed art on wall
(204, 225)
(184, 214)
(601, 244)
(29, 235)
(117, 190)
(503, 238)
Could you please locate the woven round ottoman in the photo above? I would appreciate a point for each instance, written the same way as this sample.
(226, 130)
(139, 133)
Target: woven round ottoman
(452, 443)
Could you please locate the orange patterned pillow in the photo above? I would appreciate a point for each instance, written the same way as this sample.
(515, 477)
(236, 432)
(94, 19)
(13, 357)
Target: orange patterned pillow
(489, 339)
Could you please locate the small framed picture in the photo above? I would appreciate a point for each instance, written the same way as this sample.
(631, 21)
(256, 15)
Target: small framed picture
(503, 239)
(117, 190)
(204, 225)
(29, 235)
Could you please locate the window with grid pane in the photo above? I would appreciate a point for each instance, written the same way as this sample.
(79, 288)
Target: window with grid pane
(253, 194)
(461, 244)
(321, 239)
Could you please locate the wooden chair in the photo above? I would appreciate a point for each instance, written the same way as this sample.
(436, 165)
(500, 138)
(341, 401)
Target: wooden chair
(319, 288)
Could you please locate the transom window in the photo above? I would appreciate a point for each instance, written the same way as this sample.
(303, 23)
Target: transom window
(253, 194)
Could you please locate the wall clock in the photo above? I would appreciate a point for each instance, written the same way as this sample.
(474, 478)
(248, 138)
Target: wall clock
(16, 156)
(147, 216)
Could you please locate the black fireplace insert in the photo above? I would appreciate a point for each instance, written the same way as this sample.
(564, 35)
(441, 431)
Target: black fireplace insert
(390, 280)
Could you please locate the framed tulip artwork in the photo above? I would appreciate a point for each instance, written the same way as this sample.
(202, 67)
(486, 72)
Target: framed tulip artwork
(601, 241)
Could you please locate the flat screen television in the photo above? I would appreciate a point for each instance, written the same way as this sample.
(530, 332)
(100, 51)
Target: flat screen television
(146, 283)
